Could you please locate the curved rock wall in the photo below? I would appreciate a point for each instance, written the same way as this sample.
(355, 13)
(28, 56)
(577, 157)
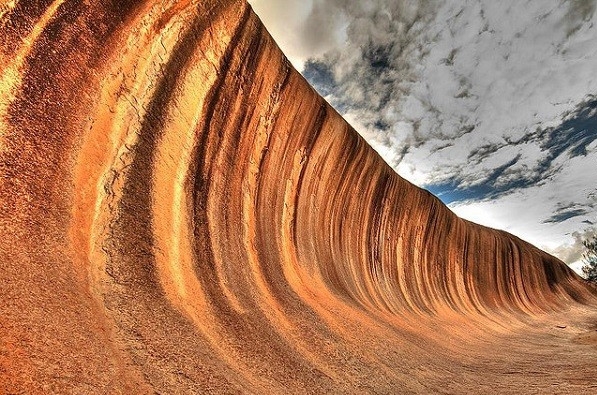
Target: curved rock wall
(181, 213)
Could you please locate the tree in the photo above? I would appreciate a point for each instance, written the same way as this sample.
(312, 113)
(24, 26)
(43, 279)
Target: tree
(590, 258)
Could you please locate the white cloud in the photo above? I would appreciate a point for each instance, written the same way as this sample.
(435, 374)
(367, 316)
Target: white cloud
(302, 28)
(526, 213)
(450, 91)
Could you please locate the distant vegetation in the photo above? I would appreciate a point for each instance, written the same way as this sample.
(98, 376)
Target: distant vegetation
(590, 259)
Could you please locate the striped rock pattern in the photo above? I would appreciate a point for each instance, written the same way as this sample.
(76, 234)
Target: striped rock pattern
(182, 213)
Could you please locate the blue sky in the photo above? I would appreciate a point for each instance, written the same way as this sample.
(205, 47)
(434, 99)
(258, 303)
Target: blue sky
(492, 106)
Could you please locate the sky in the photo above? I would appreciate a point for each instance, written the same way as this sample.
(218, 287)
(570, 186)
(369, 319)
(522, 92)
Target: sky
(490, 105)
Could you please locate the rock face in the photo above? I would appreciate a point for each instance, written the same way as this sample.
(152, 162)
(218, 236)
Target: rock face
(182, 213)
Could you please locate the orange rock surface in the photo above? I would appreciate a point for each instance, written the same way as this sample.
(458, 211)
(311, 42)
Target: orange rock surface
(182, 213)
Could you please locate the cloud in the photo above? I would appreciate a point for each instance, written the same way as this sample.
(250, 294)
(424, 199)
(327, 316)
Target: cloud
(573, 251)
(429, 92)
(531, 160)
(320, 76)
(565, 212)
(489, 104)
(580, 11)
(547, 215)
(303, 28)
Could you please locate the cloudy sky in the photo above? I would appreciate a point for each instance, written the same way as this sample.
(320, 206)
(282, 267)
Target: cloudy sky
(491, 105)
